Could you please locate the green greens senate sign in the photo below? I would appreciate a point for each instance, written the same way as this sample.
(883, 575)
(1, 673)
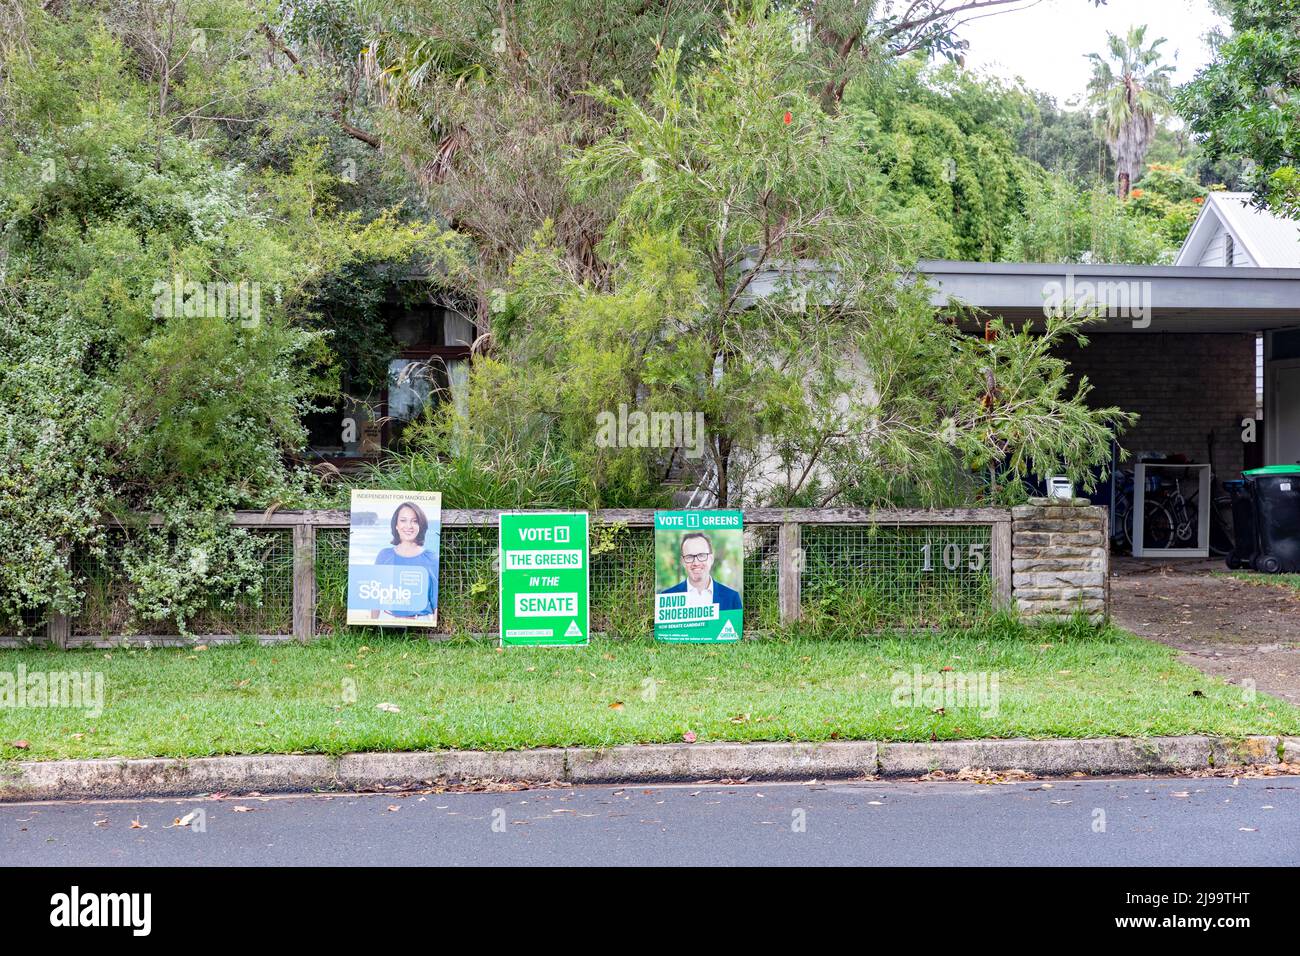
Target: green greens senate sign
(544, 587)
(699, 576)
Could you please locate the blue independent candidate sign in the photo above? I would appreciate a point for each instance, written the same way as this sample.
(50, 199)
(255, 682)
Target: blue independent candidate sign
(393, 558)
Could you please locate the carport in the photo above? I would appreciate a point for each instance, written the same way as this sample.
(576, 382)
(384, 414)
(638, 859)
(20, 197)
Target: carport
(1207, 356)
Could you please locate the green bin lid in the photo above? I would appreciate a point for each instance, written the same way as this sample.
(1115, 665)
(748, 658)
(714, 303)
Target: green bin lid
(1274, 470)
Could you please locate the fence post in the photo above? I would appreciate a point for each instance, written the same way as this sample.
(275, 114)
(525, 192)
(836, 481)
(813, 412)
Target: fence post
(58, 629)
(304, 581)
(1001, 558)
(790, 561)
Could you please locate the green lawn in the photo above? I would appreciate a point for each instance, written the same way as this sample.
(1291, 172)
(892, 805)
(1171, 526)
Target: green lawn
(1071, 681)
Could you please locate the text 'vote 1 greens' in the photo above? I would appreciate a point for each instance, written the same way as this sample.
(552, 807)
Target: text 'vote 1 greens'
(544, 579)
(699, 576)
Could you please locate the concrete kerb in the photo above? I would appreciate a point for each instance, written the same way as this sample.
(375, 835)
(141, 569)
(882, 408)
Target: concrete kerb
(642, 763)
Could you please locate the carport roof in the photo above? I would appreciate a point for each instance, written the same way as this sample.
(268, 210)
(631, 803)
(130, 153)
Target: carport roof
(1181, 298)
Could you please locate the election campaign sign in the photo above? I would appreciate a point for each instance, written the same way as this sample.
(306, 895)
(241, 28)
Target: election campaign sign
(544, 579)
(393, 558)
(699, 576)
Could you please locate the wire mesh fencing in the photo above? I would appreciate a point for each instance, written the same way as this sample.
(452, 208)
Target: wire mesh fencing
(825, 575)
(870, 577)
(112, 610)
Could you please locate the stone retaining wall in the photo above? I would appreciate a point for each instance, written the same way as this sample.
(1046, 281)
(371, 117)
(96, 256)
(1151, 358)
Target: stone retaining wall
(1060, 558)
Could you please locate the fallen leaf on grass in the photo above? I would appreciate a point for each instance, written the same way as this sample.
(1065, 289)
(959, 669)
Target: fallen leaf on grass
(20, 745)
(388, 708)
(617, 705)
(689, 736)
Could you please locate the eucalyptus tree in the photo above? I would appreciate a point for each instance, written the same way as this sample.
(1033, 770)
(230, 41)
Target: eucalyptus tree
(761, 283)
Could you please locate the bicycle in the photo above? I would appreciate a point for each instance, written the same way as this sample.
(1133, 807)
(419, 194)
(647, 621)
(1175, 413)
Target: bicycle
(1170, 518)
(1157, 521)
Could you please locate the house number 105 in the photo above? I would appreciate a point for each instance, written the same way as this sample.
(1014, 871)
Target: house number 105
(952, 556)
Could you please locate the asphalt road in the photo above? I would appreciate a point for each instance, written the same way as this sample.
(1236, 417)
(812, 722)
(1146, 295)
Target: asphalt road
(1161, 821)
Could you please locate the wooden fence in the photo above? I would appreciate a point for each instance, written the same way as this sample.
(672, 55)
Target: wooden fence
(801, 548)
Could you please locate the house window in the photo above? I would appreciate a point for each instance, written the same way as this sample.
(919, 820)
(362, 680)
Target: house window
(1229, 250)
(434, 346)
(430, 367)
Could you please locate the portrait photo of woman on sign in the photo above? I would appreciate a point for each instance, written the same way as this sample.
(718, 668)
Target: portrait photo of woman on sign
(393, 558)
(410, 526)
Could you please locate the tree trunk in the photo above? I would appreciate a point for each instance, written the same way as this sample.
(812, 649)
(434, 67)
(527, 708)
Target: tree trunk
(724, 454)
(1121, 184)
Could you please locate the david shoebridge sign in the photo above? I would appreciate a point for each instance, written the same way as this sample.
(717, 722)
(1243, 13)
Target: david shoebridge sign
(699, 576)
(545, 598)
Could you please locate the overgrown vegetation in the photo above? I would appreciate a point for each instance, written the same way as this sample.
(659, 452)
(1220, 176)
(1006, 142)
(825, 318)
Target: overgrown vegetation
(209, 207)
(159, 346)
(759, 285)
(1245, 104)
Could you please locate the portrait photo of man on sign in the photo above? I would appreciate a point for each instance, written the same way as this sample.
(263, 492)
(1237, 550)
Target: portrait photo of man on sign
(699, 574)
(698, 583)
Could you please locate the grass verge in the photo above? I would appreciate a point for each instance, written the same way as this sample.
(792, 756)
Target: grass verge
(1066, 681)
(1289, 581)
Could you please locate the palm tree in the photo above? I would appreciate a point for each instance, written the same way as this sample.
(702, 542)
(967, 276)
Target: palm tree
(1128, 96)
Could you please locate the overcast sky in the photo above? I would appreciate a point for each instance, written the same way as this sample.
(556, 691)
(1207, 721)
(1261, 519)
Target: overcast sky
(1045, 42)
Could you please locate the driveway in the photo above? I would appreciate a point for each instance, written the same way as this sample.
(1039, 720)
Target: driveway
(1233, 629)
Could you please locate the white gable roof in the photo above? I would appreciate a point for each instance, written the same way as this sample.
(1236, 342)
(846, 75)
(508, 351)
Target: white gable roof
(1269, 240)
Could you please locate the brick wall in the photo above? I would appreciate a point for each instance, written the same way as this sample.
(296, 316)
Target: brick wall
(1183, 385)
(1060, 558)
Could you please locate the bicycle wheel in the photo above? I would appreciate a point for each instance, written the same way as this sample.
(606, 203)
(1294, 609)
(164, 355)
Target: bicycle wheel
(1158, 526)
(1222, 534)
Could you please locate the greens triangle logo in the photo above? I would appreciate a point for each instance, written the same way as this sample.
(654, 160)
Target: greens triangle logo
(574, 630)
(728, 630)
